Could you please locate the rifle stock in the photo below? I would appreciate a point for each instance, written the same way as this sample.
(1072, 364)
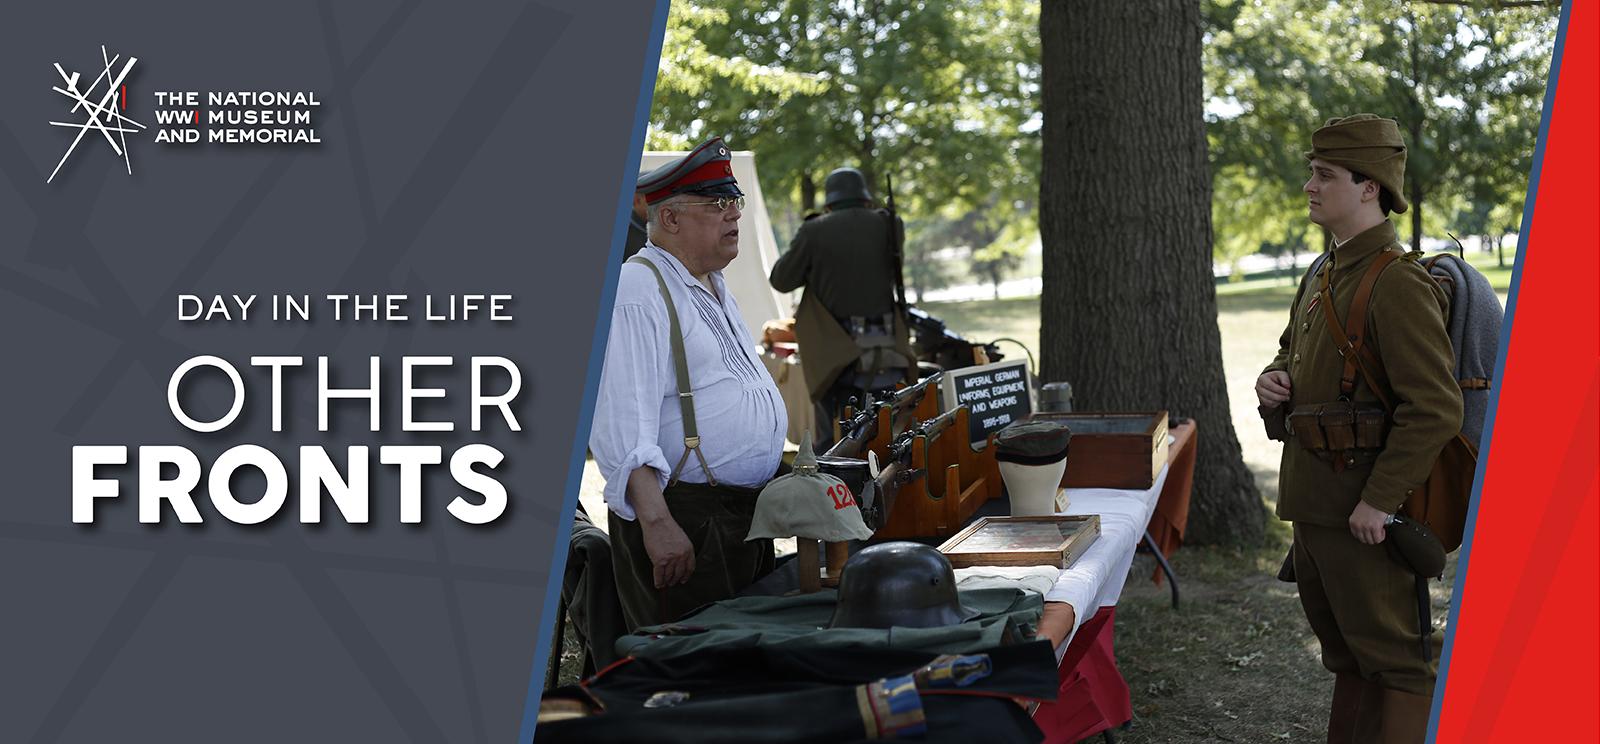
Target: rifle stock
(856, 432)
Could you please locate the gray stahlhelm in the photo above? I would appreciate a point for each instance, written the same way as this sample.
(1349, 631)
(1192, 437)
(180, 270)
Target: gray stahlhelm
(845, 184)
(902, 584)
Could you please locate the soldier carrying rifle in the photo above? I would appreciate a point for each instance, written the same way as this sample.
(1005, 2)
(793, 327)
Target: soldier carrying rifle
(851, 322)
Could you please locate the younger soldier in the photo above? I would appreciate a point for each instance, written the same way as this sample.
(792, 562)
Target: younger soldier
(1361, 603)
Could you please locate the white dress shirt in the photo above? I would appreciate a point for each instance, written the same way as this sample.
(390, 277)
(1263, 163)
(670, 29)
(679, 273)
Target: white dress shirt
(637, 422)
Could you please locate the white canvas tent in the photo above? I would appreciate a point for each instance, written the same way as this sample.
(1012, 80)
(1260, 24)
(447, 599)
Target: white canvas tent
(747, 275)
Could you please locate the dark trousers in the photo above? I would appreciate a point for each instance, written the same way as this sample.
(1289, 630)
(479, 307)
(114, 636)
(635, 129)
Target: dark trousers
(716, 519)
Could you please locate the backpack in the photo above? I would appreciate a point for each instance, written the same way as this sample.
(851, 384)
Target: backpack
(1444, 498)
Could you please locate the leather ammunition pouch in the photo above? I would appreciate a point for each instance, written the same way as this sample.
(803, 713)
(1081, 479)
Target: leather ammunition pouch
(1339, 430)
(1273, 418)
(867, 325)
(880, 349)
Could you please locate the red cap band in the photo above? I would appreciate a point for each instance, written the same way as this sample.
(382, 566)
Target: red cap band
(711, 171)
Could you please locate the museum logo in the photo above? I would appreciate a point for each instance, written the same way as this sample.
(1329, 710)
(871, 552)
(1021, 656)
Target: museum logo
(223, 117)
(99, 110)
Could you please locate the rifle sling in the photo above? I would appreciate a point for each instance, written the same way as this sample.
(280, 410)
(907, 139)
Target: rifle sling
(680, 363)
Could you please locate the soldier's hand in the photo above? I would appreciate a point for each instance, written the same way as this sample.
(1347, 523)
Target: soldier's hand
(1272, 388)
(671, 553)
(1366, 523)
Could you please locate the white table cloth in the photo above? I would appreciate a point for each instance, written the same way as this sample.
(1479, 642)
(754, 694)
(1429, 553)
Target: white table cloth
(1097, 578)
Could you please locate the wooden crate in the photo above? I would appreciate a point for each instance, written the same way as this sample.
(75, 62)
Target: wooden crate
(1056, 540)
(1113, 450)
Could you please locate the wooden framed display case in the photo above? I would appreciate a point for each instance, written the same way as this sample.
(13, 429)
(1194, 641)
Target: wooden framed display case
(1057, 540)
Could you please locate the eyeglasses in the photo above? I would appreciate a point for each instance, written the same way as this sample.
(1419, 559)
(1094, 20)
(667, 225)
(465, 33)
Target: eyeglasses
(722, 203)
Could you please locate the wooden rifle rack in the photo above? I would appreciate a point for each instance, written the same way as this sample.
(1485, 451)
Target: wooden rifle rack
(883, 435)
(958, 479)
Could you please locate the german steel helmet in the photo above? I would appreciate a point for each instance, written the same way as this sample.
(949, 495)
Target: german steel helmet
(809, 504)
(845, 184)
(903, 584)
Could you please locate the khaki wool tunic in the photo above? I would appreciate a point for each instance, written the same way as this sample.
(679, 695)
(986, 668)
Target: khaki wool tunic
(1406, 330)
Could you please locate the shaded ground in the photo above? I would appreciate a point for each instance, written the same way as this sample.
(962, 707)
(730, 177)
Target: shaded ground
(1237, 662)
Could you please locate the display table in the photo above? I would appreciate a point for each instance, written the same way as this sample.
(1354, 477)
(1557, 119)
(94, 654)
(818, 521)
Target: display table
(1093, 696)
(1171, 517)
(1096, 580)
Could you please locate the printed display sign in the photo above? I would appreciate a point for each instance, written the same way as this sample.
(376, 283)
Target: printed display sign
(995, 395)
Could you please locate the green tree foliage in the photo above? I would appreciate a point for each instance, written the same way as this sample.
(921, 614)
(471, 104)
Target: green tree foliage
(944, 96)
(690, 71)
(939, 94)
(1465, 81)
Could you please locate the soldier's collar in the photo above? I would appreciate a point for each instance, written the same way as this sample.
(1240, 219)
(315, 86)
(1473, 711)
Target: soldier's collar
(1365, 244)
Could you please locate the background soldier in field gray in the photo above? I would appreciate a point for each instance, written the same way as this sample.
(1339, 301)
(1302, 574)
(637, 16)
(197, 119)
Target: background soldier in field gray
(1359, 601)
(851, 329)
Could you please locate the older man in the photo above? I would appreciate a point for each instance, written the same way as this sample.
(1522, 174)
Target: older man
(1338, 489)
(688, 425)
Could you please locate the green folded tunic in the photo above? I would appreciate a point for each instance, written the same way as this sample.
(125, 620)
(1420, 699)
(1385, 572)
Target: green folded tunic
(1005, 615)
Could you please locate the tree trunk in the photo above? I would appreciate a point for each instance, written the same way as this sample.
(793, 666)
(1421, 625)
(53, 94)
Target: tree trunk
(868, 152)
(1129, 312)
(1416, 217)
(1416, 122)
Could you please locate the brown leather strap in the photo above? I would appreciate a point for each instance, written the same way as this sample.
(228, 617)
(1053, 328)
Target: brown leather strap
(1356, 328)
(1378, 381)
(1474, 383)
(1350, 338)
